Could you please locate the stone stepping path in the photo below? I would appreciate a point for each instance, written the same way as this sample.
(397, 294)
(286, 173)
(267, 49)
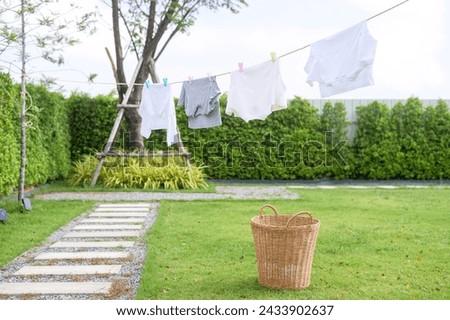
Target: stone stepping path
(108, 227)
(121, 209)
(97, 245)
(55, 288)
(123, 205)
(62, 270)
(93, 244)
(122, 214)
(82, 255)
(113, 220)
(102, 234)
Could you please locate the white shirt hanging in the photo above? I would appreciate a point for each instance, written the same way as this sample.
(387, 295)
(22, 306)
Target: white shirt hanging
(256, 91)
(157, 110)
(342, 62)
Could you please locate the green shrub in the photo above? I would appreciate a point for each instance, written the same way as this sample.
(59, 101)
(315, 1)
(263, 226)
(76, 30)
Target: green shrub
(289, 144)
(375, 148)
(339, 161)
(48, 147)
(47, 137)
(90, 122)
(407, 125)
(407, 142)
(9, 133)
(55, 125)
(302, 142)
(141, 173)
(436, 121)
(83, 170)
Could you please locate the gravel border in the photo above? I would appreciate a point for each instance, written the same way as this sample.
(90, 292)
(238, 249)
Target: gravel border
(223, 193)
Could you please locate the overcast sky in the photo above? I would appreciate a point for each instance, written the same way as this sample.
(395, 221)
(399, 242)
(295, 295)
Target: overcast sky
(412, 56)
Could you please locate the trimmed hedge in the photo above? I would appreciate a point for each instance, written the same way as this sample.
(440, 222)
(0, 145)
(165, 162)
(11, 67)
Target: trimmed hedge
(9, 133)
(295, 143)
(48, 139)
(90, 122)
(48, 147)
(407, 142)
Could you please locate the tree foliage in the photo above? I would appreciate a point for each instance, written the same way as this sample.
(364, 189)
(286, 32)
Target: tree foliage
(50, 28)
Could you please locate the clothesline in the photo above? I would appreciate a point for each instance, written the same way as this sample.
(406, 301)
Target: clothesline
(370, 18)
(229, 72)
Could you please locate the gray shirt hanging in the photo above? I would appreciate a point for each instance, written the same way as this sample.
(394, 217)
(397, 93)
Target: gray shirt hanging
(200, 99)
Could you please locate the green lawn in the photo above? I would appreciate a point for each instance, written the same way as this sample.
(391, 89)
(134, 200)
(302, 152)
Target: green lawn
(373, 244)
(25, 230)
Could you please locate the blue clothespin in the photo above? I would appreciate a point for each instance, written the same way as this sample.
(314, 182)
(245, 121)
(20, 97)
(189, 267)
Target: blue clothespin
(147, 83)
(165, 81)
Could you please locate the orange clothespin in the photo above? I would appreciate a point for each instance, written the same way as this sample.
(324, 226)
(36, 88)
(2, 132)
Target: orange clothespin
(241, 66)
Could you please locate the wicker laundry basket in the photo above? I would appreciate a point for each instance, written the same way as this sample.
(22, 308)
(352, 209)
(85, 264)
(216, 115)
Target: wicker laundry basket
(284, 247)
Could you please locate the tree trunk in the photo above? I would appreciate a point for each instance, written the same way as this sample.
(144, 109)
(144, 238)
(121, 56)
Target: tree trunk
(132, 117)
(23, 97)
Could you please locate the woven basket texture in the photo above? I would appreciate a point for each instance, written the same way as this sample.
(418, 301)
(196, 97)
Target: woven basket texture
(284, 246)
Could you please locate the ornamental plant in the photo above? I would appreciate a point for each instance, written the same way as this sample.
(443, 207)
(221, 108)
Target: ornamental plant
(169, 173)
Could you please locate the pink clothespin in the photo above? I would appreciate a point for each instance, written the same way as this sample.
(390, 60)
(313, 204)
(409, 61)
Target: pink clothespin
(241, 66)
(190, 79)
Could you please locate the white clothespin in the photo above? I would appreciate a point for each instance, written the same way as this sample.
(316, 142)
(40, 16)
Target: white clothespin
(190, 79)
(209, 76)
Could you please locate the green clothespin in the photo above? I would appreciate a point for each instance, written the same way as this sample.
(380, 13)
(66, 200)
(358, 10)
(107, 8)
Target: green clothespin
(273, 56)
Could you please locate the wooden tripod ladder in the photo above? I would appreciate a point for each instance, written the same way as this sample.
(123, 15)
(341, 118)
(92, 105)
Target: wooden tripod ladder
(112, 136)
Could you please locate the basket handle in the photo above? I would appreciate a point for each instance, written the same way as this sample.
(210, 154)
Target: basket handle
(299, 214)
(261, 210)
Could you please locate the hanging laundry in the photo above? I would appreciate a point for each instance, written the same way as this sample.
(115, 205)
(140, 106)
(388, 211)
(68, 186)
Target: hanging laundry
(256, 91)
(200, 99)
(342, 62)
(157, 110)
